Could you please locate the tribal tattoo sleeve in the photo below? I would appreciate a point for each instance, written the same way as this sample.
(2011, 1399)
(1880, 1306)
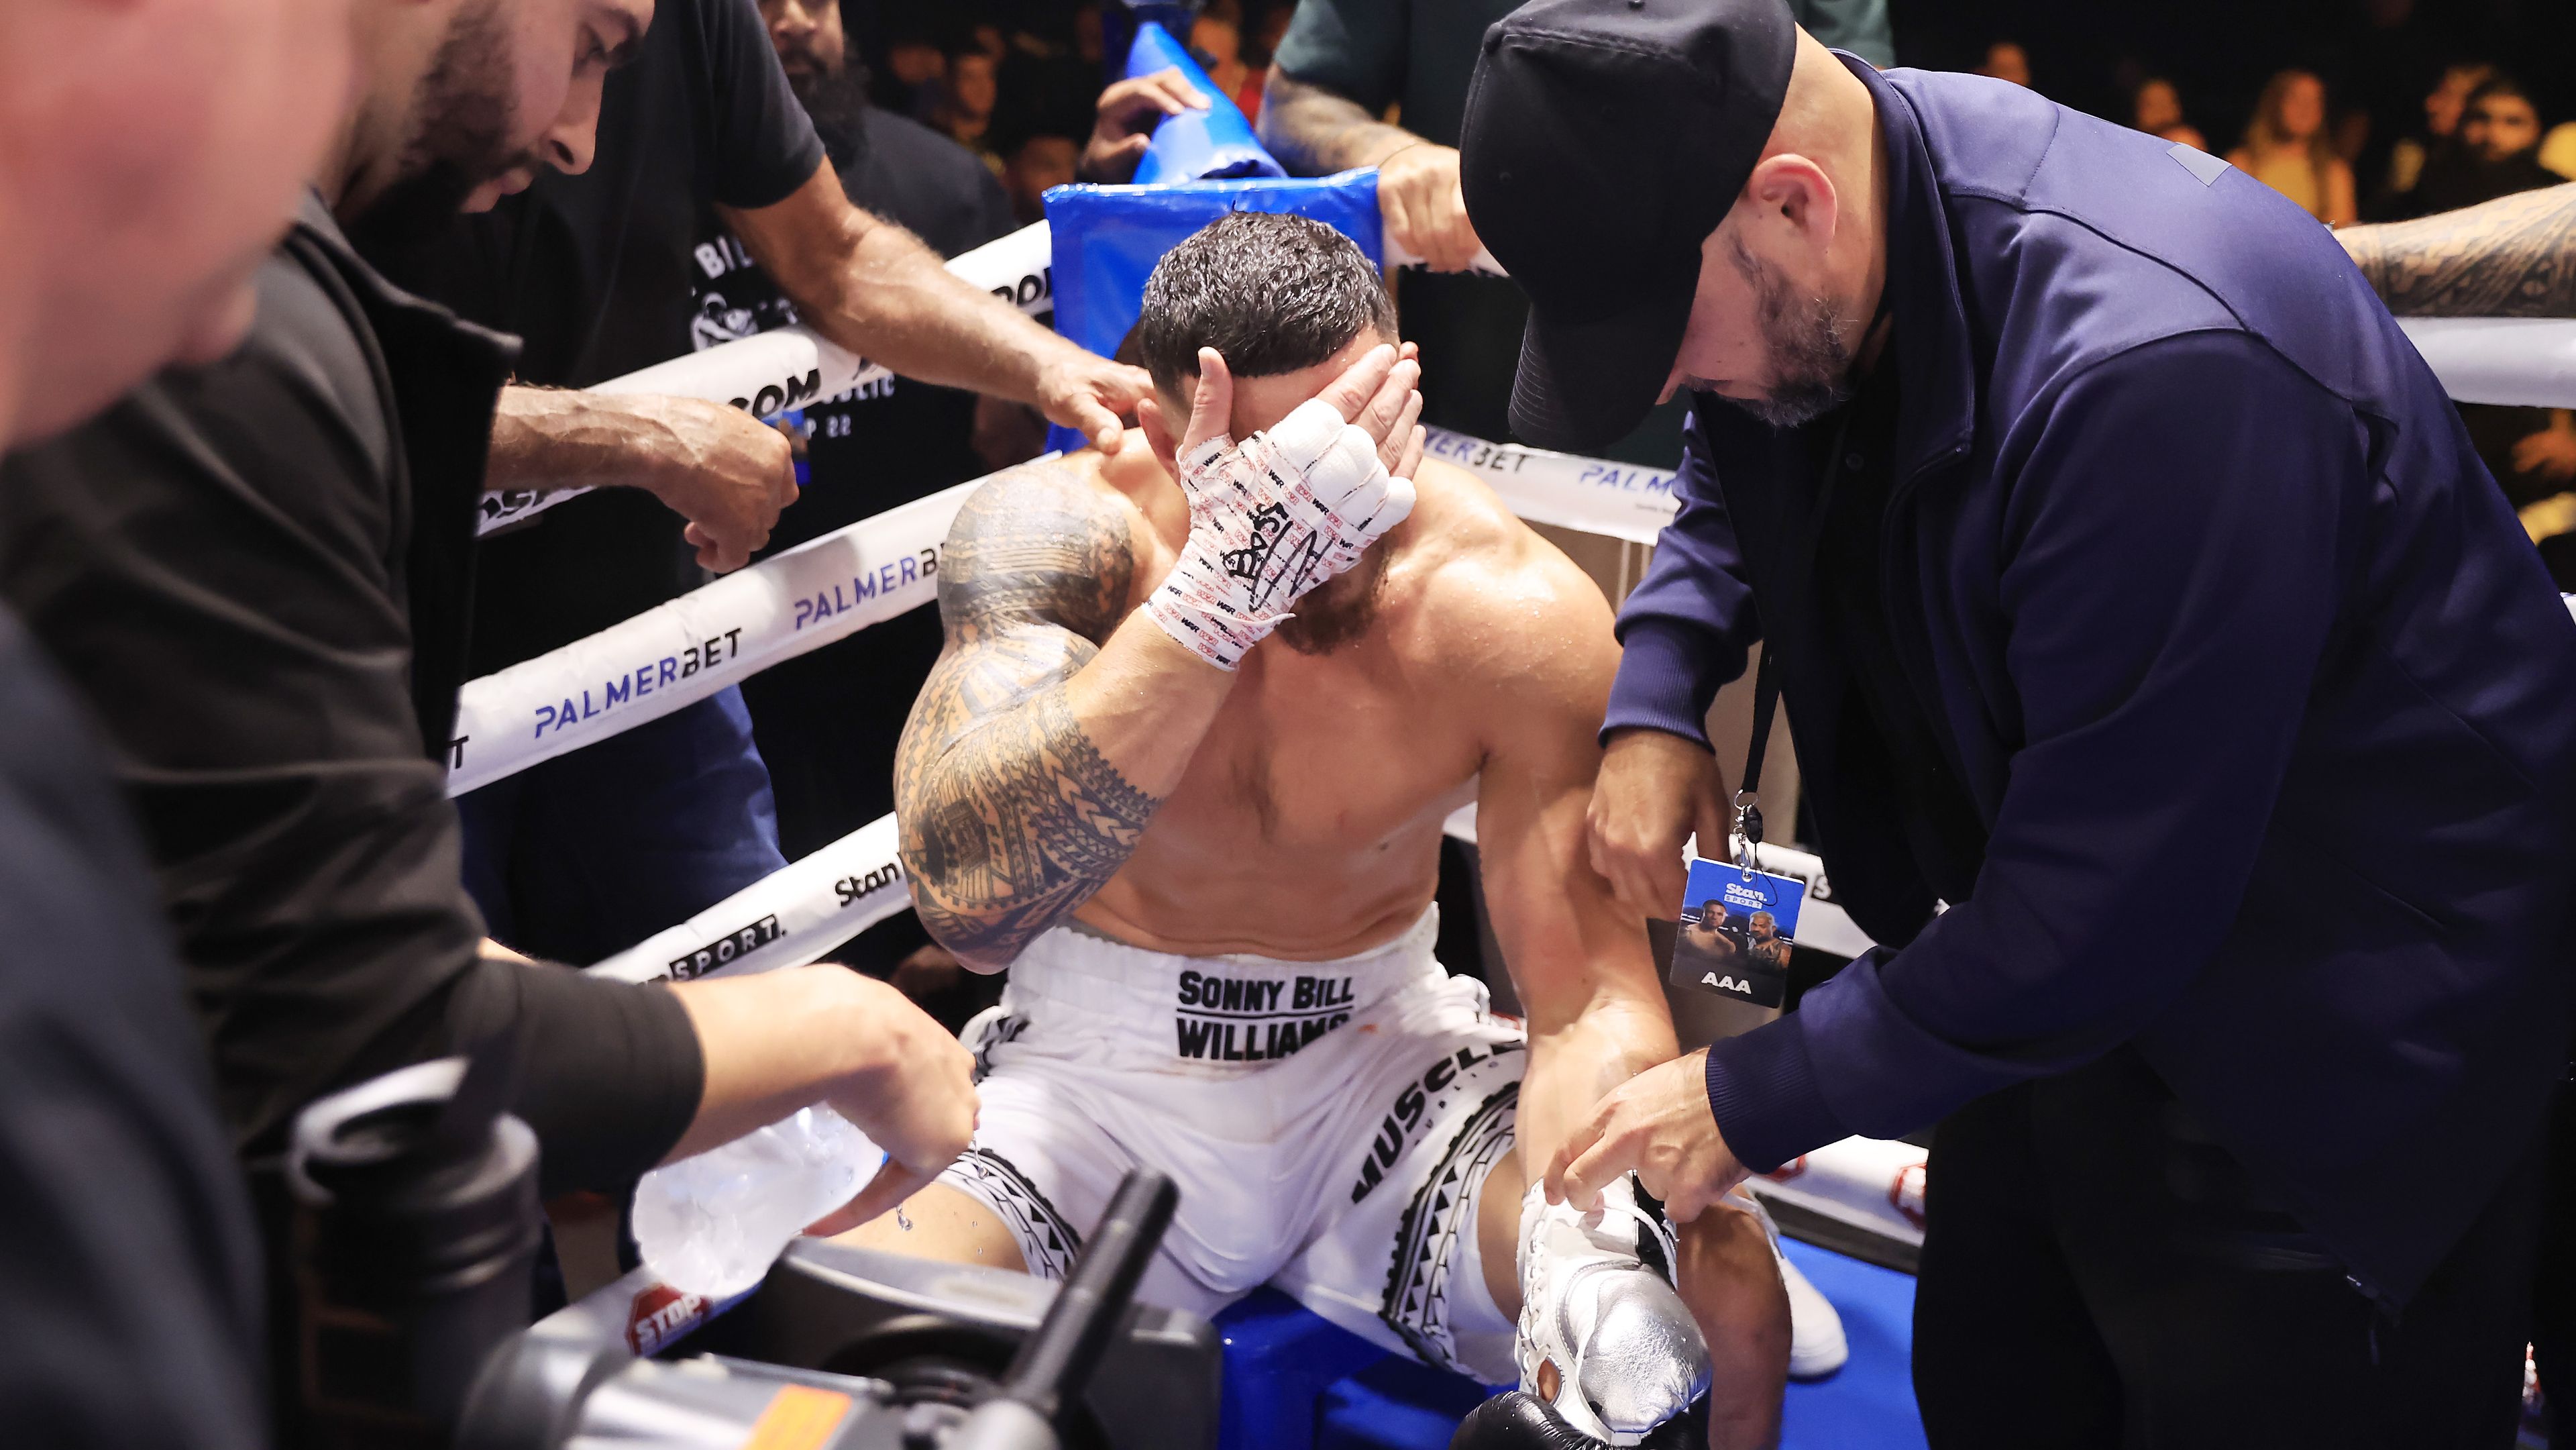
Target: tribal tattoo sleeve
(2513, 257)
(1010, 815)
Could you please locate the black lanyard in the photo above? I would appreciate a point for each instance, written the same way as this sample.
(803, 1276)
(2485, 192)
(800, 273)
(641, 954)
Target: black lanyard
(1766, 701)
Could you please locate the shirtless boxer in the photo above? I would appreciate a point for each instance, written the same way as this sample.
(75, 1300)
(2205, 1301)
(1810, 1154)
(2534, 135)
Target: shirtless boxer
(1209, 860)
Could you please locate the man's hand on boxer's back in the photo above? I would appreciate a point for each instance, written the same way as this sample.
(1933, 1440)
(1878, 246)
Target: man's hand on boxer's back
(1089, 394)
(1654, 790)
(1290, 507)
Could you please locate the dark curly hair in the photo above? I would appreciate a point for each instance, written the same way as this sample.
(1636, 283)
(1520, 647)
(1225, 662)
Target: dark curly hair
(1271, 293)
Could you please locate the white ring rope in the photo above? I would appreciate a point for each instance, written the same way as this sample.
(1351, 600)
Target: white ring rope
(2521, 362)
(790, 367)
(1592, 495)
(1869, 1183)
(679, 653)
(786, 919)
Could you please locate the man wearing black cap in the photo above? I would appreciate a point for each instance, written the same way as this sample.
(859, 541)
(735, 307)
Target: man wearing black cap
(2134, 591)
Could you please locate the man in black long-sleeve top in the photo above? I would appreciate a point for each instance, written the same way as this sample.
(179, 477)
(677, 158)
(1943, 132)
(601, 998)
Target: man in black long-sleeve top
(257, 571)
(583, 855)
(129, 1291)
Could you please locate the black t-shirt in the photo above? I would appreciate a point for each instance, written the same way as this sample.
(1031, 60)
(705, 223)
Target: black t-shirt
(230, 563)
(827, 722)
(594, 272)
(129, 1274)
(888, 441)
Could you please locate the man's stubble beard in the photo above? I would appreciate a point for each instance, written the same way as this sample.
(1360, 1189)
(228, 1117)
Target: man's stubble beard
(1807, 338)
(461, 140)
(1339, 611)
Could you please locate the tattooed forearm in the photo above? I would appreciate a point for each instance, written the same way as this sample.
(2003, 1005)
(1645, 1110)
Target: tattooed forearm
(2513, 257)
(1011, 817)
(1313, 131)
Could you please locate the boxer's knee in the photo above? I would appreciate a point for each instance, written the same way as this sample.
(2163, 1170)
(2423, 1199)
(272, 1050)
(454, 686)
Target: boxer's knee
(1728, 1273)
(1729, 1238)
(1730, 1279)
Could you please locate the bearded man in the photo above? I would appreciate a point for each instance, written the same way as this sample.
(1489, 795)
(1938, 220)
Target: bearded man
(826, 725)
(257, 572)
(580, 856)
(2133, 591)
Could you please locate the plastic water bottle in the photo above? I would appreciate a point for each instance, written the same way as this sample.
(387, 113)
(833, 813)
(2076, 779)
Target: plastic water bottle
(713, 1224)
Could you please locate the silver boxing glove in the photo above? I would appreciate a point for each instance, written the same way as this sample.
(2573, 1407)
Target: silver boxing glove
(1604, 1340)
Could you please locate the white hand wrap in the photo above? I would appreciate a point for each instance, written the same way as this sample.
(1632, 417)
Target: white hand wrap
(1271, 518)
(1627, 1354)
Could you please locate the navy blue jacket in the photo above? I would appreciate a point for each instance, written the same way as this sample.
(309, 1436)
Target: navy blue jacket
(2263, 698)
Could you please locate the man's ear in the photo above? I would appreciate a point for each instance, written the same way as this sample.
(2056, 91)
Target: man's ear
(1795, 201)
(1159, 433)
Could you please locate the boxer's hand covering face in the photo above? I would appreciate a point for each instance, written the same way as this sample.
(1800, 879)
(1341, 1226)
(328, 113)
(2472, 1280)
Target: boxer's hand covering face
(1279, 513)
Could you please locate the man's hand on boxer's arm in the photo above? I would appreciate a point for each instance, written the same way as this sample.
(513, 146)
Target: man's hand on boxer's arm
(779, 1041)
(1124, 122)
(1658, 1126)
(1655, 790)
(726, 472)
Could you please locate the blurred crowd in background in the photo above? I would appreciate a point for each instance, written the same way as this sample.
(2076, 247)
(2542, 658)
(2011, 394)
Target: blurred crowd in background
(2359, 110)
(954, 117)
(1014, 81)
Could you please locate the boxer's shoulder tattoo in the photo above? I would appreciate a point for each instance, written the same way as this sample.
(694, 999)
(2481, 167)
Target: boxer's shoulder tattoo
(2513, 257)
(1010, 816)
(1037, 544)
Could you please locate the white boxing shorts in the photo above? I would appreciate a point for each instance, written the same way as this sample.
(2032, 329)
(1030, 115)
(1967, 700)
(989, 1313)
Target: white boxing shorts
(1329, 1124)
